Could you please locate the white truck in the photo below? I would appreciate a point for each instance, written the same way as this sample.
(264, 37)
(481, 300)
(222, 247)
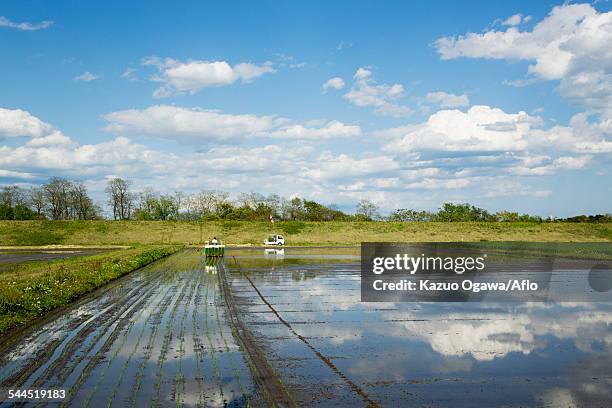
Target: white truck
(277, 240)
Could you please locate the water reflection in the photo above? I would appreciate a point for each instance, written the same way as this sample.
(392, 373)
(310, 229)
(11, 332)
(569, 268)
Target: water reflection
(443, 354)
(274, 253)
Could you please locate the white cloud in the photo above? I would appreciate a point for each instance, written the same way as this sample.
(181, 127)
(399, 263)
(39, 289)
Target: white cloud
(288, 61)
(191, 76)
(15, 174)
(17, 122)
(129, 74)
(520, 83)
(184, 124)
(512, 188)
(481, 128)
(197, 125)
(87, 77)
(365, 93)
(20, 123)
(572, 44)
(331, 130)
(24, 26)
(331, 167)
(300, 166)
(516, 19)
(333, 83)
(448, 100)
(581, 136)
(553, 43)
(342, 45)
(487, 129)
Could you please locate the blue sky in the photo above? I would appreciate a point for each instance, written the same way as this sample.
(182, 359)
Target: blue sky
(504, 105)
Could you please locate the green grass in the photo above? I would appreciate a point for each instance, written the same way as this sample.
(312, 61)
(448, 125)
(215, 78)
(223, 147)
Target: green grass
(577, 250)
(296, 233)
(30, 290)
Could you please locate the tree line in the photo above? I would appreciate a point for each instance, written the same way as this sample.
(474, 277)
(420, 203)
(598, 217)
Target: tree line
(63, 199)
(59, 199)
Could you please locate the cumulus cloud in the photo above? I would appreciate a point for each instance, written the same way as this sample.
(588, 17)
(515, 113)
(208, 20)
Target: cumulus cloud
(488, 129)
(569, 32)
(192, 76)
(481, 128)
(572, 45)
(291, 149)
(448, 100)
(366, 93)
(197, 125)
(333, 83)
(20, 123)
(24, 26)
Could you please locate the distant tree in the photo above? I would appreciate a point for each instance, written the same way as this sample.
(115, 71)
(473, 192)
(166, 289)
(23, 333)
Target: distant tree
(6, 212)
(120, 198)
(166, 208)
(22, 212)
(81, 205)
(251, 199)
(462, 212)
(147, 205)
(57, 192)
(507, 216)
(179, 199)
(12, 196)
(296, 209)
(38, 201)
(406, 215)
(367, 209)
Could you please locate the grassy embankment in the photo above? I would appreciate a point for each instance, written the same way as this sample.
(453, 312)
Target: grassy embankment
(100, 233)
(32, 289)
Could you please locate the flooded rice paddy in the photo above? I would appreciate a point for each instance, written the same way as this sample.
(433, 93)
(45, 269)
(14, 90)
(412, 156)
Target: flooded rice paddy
(10, 257)
(287, 328)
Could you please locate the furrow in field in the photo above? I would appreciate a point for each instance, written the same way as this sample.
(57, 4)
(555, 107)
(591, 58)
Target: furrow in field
(83, 334)
(168, 336)
(162, 315)
(180, 376)
(229, 352)
(197, 344)
(88, 357)
(145, 312)
(211, 348)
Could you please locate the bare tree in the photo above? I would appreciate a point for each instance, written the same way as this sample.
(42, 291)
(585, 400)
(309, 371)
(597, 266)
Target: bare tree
(38, 201)
(368, 209)
(207, 202)
(81, 205)
(179, 201)
(56, 192)
(251, 199)
(12, 196)
(120, 198)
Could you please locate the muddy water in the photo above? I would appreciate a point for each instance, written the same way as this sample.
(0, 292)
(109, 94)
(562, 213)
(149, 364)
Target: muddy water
(158, 337)
(304, 308)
